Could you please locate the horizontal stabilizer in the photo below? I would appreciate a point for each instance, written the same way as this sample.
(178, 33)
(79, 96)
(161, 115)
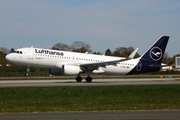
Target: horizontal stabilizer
(162, 65)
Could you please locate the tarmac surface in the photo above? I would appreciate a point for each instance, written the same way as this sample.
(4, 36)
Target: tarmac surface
(104, 115)
(95, 82)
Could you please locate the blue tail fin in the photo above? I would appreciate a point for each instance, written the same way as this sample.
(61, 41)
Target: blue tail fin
(156, 51)
(150, 61)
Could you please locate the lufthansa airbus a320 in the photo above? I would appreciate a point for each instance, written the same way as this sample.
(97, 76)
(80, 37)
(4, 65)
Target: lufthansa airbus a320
(73, 63)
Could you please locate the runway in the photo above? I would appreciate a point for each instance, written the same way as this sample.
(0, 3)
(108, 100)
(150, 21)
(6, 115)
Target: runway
(103, 115)
(95, 82)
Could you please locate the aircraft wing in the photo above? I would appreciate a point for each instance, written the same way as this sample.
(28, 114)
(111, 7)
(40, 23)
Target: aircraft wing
(93, 66)
(103, 63)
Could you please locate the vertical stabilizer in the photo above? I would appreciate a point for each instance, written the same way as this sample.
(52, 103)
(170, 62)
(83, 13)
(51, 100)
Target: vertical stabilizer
(150, 61)
(156, 51)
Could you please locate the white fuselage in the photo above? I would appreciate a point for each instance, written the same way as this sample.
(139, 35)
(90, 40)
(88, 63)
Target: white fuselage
(55, 59)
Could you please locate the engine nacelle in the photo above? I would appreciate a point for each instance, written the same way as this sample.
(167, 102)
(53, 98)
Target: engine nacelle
(70, 70)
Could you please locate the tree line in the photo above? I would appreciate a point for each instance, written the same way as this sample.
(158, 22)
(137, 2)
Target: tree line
(79, 46)
(83, 47)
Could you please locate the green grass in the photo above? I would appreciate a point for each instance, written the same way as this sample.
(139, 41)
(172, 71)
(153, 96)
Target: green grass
(89, 98)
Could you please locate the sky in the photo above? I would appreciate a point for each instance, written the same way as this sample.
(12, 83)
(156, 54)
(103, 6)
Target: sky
(101, 23)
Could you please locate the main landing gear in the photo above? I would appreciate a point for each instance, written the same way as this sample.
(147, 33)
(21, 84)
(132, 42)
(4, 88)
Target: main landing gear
(88, 79)
(79, 79)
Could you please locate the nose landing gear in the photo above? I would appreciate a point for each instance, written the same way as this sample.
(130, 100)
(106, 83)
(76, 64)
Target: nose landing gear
(27, 72)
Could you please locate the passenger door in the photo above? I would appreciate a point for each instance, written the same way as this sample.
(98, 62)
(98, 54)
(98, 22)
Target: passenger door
(30, 54)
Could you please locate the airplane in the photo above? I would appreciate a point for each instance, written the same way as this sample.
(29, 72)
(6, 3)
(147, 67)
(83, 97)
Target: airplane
(73, 63)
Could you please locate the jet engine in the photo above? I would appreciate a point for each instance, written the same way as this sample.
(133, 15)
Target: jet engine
(70, 70)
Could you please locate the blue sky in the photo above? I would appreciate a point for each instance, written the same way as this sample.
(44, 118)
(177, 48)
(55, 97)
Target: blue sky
(101, 23)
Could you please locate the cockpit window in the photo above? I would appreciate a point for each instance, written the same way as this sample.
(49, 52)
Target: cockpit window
(18, 52)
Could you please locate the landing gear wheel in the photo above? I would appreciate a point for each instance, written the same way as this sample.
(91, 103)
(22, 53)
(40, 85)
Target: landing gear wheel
(78, 79)
(88, 79)
(26, 74)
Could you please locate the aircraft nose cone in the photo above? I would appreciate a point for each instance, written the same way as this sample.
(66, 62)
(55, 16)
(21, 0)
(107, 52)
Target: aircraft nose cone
(9, 57)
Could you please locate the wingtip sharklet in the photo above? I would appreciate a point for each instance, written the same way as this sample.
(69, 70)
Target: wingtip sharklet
(131, 56)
